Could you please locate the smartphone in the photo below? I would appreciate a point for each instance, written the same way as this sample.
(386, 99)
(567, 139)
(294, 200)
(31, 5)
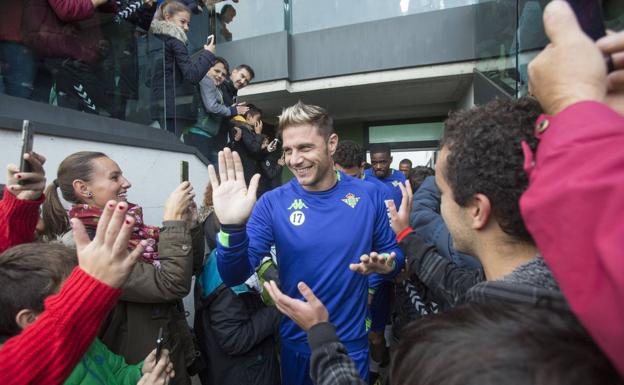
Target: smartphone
(275, 142)
(184, 171)
(27, 146)
(159, 343)
(209, 39)
(589, 15)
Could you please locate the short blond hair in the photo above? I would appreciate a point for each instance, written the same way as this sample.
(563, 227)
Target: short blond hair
(302, 113)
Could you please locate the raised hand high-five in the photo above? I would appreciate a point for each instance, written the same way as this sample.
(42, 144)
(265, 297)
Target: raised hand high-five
(231, 198)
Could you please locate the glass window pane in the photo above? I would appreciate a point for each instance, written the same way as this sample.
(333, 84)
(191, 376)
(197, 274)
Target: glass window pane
(314, 15)
(249, 18)
(415, 132)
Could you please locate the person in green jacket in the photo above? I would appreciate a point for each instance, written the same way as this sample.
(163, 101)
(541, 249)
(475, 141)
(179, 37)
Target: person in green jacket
(100, 366)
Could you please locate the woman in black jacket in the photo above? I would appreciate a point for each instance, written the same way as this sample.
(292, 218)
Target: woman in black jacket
(175, 72)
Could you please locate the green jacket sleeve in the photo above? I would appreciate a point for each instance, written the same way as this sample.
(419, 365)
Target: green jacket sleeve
(124, 374)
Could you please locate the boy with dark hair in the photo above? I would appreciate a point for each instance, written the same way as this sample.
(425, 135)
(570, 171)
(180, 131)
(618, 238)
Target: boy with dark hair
(30, 273)
(481, 177)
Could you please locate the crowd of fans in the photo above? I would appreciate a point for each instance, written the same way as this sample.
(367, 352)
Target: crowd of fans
(133, 60)
(502, 266)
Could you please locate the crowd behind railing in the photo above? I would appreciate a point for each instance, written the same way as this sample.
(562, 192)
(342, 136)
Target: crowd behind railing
(133, 60)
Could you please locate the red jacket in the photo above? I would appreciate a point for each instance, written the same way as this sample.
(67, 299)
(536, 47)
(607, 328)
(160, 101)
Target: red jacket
(574, 208)
(46, 352)
(63, 28)
(18, 220)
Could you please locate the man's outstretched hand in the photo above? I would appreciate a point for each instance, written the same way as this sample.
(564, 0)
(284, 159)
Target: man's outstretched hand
(375, 263)
(107, 258)
(232, 200)
(305, 314)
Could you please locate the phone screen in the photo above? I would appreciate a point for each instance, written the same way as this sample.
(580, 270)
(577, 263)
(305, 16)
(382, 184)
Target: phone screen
(159, 343)
(589, 15)
(184, 171)
(27, 146)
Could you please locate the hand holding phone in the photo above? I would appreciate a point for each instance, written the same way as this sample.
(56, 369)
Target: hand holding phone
(184, 171)
(27, 146)
(27, 185)
(273, 145)
(210, 44)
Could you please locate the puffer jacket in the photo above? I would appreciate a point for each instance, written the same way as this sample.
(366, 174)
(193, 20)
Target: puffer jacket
(100, 366)
(64, 28)
(174, 71)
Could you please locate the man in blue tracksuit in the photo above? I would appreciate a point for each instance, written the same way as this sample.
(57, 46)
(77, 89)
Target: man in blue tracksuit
(324, 224)
(381, 159)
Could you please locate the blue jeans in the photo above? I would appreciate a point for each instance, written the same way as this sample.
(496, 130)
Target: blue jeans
(18, 69)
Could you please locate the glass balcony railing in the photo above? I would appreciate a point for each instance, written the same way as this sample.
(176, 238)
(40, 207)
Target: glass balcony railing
(111, 60)
(74, 57)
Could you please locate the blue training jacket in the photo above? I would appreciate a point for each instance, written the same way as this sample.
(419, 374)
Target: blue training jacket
(316, 235)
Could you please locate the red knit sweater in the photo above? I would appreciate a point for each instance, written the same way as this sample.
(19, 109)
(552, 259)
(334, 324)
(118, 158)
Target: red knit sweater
(47, 351)
(18, 220)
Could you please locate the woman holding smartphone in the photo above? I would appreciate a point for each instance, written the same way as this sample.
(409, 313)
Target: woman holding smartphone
(152, 296)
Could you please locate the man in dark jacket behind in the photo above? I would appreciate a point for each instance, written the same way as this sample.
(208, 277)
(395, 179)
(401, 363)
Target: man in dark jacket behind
(239, 79)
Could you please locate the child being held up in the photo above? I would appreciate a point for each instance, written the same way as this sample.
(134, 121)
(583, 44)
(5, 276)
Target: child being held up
(31, 272)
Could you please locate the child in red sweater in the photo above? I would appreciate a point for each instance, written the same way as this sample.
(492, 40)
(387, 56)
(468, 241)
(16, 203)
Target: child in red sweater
(49, 349)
